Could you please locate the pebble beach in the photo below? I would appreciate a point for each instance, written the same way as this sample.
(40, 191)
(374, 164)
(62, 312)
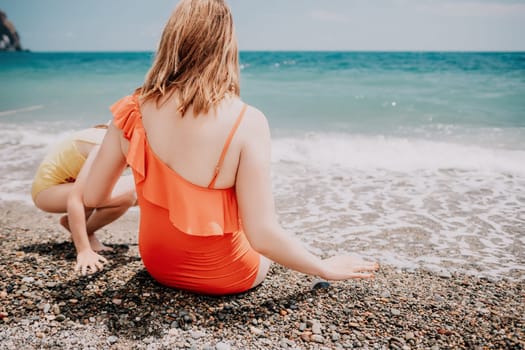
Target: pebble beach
(44, 305)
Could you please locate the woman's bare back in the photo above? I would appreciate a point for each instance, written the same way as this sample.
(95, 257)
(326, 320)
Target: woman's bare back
(192, 145)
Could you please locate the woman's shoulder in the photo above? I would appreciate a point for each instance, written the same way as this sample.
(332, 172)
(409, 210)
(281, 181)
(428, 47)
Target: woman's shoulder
(254, 117)
(254, 126)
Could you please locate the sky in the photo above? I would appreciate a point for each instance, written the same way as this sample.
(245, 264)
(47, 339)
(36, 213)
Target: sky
(354, 25)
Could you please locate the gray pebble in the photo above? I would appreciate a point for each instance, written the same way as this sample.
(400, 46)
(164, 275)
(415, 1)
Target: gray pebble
(222, 346)
(335, 336)
(256, 331)
(28, 279)
(112, 339)
(444, 274)
(319, 284)
(395, 312)
(317, 338)
(46, 308)
(385, 294)
(316, 328)
(197, 334)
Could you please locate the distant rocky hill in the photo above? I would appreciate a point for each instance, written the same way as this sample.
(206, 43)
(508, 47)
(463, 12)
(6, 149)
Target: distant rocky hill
(9, 38)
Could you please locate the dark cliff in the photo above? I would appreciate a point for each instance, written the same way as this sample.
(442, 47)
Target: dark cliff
(9, 38)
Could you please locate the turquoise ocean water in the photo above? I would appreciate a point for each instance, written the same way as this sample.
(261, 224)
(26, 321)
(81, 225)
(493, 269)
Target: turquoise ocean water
(415, 158)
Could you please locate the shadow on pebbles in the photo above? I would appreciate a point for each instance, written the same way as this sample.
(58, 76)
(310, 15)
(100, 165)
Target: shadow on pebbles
(44, 305)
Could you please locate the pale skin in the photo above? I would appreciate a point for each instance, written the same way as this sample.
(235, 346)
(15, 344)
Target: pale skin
(82, 222)
(179, 141)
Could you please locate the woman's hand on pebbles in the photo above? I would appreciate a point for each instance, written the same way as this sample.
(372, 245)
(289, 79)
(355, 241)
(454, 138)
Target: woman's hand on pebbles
(344, 267)
(89, 262)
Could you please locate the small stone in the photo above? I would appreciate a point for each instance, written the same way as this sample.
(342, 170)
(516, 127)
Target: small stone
(438, 298)
(197, 334)
(28, 280)
(444, 274)
(3, 314)
(316, 328)
(60, 318)
(283, 312)
(116, 301)
(55, 309)
(395, 312)
(335, 336)
(46, 308)
(222, 346)
(317, 338)
(39, 335)
(73, 301)
(173, 332)
(112, 339)
(385, 294)
(3, 294)
(354, 325)
(306, 336)
(444, 331)
(256, 331)
(51, 284)
(319, 284)
(302, 326)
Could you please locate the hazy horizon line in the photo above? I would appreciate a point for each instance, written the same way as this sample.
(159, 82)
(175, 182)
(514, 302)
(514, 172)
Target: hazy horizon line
(280, 50)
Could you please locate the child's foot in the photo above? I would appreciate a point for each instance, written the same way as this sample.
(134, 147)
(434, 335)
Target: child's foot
(97, 246)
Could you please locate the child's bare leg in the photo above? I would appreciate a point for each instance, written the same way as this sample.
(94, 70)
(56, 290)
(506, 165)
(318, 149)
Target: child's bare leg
(64, 221)
(54, 199)
(122, 197)
(100, 218)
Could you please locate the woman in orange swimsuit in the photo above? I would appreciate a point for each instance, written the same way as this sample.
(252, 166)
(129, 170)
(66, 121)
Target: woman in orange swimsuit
(58, 186)
(201, 162)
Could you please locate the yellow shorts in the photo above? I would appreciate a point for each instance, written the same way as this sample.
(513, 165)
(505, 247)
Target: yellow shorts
(60, 166)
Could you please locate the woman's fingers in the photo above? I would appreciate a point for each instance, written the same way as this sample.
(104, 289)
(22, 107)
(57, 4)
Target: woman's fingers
(366, 267)
(361, 275)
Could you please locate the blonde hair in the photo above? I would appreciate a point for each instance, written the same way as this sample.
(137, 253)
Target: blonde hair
(197, 58)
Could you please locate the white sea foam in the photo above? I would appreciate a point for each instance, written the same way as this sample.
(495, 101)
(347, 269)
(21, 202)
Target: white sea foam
(359, 152)
(411, 203)
(408, 202)
(22, 147)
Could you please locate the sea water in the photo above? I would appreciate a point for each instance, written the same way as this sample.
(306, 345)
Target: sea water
(415, 159)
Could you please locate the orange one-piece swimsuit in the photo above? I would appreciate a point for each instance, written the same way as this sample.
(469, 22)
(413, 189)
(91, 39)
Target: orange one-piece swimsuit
(190, 237)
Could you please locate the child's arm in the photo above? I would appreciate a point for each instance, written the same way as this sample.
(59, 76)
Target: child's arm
(86, 257)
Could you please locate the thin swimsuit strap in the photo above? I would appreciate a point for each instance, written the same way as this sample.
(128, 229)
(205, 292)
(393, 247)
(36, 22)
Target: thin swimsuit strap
(226, 146)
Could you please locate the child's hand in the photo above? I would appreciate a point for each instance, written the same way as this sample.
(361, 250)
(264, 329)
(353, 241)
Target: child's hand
(89, 259)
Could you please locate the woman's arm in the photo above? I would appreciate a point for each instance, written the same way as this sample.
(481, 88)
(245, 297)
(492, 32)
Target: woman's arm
(259, 218)
(76, 213)
(106, 170)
